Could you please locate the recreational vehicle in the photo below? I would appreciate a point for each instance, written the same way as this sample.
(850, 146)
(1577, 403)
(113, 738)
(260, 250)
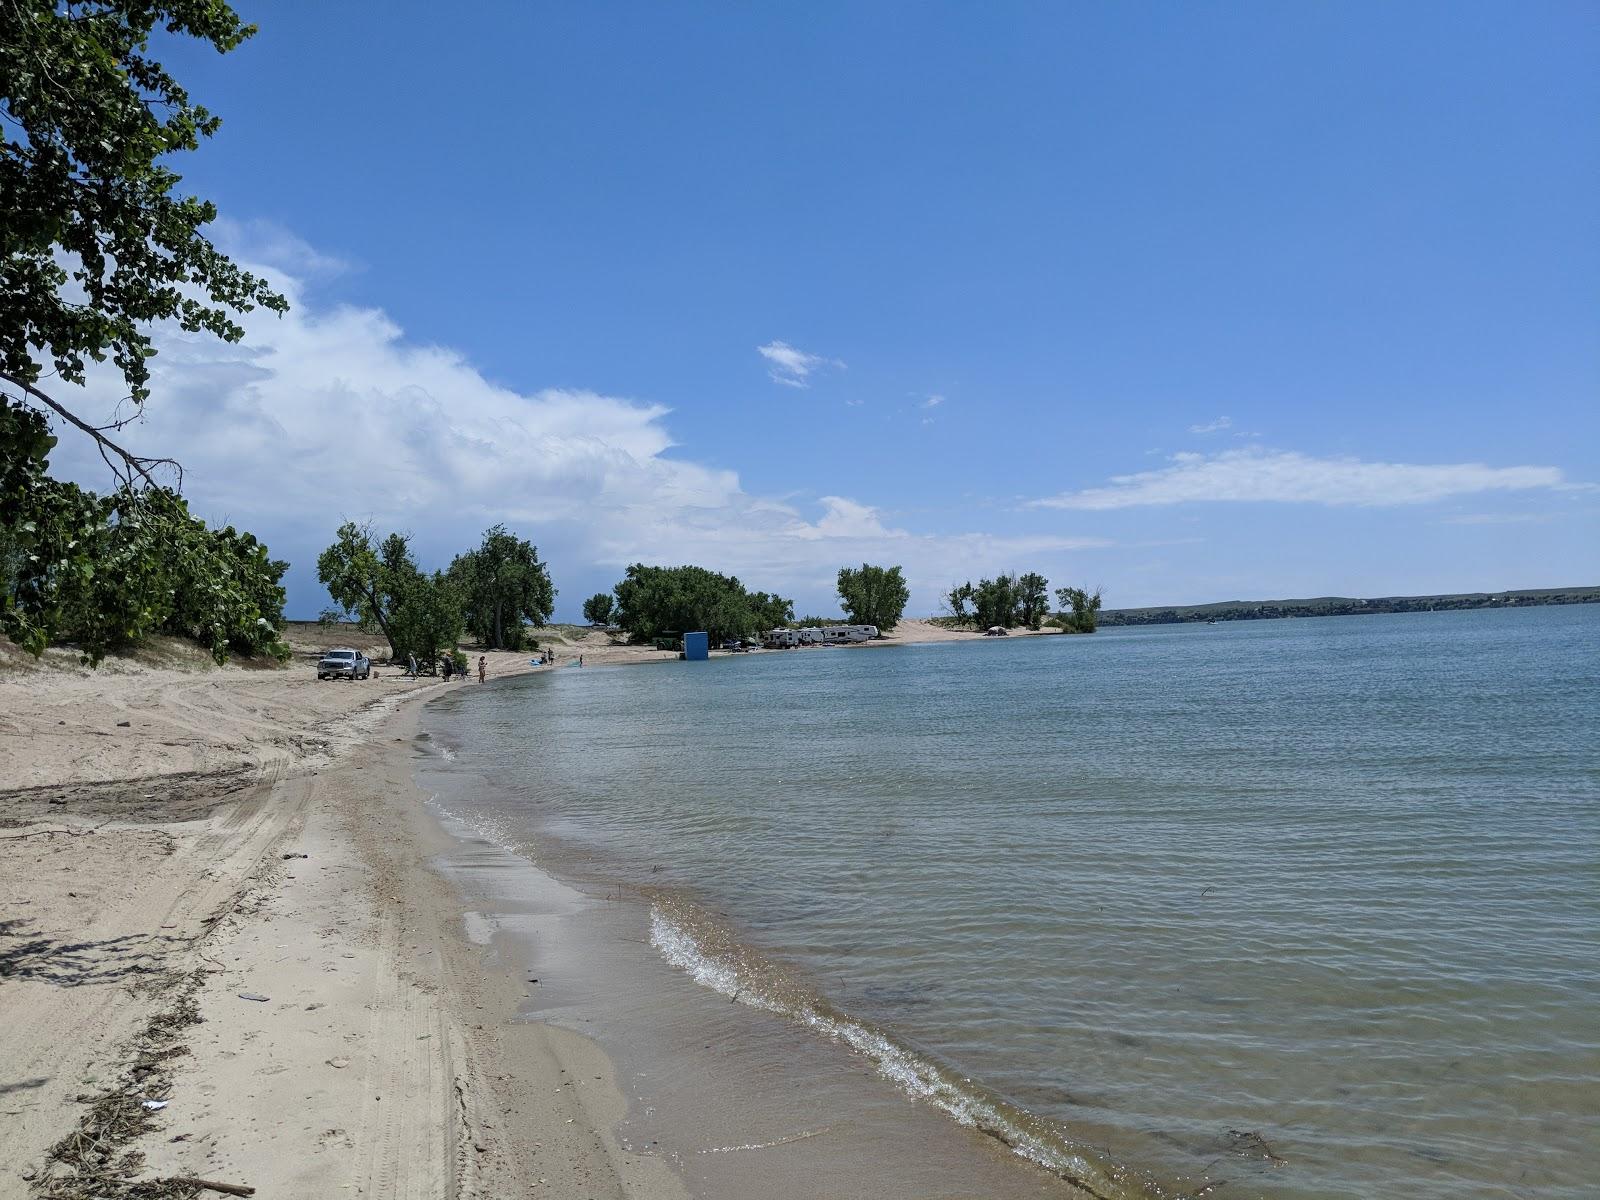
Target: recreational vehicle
(828, 635)
(850, 633)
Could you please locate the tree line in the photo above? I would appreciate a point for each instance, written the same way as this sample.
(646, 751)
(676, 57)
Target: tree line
(1012, 600)
(656, 602)
(493, 592)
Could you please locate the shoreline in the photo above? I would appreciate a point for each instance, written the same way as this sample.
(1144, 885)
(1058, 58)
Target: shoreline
(735, 1099)
(231, 902)
(606, 797)
(179, 839)
(321, 984)
(225, 957)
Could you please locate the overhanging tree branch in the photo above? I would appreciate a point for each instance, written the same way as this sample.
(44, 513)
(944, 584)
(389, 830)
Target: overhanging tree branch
(132, 464)
(98, 246)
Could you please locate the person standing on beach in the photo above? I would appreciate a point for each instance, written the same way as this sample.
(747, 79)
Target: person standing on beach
(411, 662)
(483, 667)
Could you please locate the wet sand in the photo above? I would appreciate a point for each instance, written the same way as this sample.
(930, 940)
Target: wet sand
(735, 1102)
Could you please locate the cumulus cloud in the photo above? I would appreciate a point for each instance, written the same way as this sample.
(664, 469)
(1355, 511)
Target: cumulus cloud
(793, 367)
(933, 401)
(332, 413)
(1216, 426)
(1289, 477)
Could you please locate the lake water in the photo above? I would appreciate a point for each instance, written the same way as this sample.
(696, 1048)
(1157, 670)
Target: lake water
(1298, 908)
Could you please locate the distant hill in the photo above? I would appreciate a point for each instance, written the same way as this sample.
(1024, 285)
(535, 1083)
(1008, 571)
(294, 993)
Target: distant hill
(1344, 606)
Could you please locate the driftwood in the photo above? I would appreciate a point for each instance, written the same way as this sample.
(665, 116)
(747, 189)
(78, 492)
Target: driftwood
(231, 1189)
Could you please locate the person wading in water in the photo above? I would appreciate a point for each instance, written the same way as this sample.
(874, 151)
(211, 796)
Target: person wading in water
(483, 667)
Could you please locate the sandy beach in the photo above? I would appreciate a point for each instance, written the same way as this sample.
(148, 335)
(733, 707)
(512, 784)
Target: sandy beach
(224, 959)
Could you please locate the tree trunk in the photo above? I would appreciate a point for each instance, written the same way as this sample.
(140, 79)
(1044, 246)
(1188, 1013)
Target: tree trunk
(383, 624)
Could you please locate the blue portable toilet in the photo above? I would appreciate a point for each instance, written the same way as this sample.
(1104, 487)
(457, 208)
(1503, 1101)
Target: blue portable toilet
(696, 647)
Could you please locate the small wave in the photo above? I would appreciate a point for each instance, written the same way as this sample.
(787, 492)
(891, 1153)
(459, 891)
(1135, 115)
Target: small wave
(736, 972)
(783, 1141)
(490, 829)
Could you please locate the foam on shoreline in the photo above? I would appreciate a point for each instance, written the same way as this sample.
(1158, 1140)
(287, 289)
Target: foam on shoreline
(728, 1097)
(748, 979)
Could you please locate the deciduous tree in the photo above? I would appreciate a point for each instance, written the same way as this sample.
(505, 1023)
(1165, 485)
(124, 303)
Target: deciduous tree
(873, 595)
(597, 608)
(957, 599)
(426, 615)
(107, 572)
(654, 602)
(995, 602)
(1080, 609)
(358, 579)
(1033, 599)
(380, 584)
(770, 610)
(502, 584)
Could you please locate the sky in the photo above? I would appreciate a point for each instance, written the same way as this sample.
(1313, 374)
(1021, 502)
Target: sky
(1189, 303)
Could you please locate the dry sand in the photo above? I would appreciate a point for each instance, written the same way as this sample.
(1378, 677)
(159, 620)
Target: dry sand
(177, 840)
(921, 629)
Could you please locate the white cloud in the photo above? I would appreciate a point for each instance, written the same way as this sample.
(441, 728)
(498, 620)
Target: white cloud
(269, 242)
(793, 367)
(1216, 426)
(1498, 519)
(933, 401)
(846, 518)
(1286, 476)
(331, 413)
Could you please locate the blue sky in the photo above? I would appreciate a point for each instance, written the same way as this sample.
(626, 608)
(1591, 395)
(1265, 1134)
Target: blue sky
(1191, 302)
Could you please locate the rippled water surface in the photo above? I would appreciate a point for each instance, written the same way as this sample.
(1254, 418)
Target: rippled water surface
(1309, 906)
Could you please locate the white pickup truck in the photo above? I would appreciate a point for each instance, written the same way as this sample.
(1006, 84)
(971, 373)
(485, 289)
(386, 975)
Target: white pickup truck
(344, 664)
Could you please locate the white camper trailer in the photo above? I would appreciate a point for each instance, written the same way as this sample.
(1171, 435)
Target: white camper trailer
(844, 634)
(827, 635)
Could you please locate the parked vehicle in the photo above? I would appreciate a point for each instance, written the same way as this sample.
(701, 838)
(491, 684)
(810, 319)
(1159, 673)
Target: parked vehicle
(850, 633)
(344, 664)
